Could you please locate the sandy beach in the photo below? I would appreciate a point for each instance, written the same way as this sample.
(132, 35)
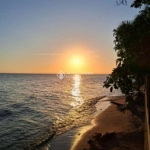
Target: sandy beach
(128, 128)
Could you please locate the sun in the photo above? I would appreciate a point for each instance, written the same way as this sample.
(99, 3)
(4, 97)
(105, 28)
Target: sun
(77, 61)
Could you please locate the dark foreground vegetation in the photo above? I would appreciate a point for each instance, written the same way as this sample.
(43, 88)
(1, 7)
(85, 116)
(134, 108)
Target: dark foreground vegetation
(132, 44)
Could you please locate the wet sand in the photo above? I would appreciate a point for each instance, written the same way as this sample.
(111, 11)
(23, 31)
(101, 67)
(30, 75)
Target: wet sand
(128, 128)
(70, 138)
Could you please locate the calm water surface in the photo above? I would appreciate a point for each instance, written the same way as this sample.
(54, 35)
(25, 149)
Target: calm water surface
(32, 106)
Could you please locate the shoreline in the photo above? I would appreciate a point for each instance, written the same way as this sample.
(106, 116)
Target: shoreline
(128, 128)
(101, 105)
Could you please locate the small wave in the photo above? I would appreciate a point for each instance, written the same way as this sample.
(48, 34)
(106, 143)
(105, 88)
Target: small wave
(51, 96)
(32, 97)
(76, 117)
(1, 91)
(17, 105)
(5, 113)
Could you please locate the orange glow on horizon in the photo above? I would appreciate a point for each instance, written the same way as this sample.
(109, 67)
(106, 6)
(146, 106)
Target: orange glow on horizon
(70, 59)
(78, 60)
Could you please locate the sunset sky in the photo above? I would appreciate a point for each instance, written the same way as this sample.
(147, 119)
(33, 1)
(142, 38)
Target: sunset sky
(46, 36)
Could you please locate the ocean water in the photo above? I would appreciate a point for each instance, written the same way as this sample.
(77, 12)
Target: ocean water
(33, 107)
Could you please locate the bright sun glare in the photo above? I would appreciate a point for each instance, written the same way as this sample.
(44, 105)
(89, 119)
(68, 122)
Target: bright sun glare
(76, 61)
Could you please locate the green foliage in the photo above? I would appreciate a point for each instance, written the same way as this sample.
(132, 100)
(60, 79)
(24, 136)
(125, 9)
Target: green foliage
(132, 45)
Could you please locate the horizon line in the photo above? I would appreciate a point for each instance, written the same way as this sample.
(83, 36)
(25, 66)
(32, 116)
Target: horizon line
(52, 73)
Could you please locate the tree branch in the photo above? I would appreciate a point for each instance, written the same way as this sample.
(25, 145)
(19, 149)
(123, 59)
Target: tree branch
(121, 2)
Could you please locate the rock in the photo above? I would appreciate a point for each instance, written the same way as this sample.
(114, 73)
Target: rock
(102, 142)
(97, 137)
(94, 145)
(107, 136)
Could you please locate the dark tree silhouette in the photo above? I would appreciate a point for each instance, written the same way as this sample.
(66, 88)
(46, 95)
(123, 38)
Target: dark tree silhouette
(136, 3)
(139, 3)
(133, 50)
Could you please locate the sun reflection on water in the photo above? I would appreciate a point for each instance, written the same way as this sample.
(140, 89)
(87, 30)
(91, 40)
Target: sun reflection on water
(76, 91)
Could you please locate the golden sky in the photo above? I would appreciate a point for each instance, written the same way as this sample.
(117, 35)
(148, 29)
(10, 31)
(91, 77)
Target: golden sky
(49, 36)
